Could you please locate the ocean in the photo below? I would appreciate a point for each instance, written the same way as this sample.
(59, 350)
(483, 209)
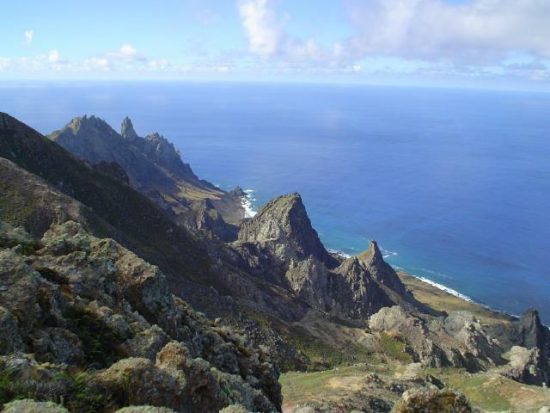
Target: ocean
(453, 184)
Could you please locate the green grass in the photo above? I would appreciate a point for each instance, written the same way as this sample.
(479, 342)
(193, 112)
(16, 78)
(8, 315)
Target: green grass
(323, 355)
(298, 386)
(394, 348)
(481, 395)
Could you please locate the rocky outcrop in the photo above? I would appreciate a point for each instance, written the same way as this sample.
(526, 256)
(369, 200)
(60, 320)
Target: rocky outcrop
(280, 245)
(525, 365)
(127, 130)
(529, 343)
(31, 406)
(77, 302)
(282, 228)
(457, 339)
(381, 271)
(428, 401)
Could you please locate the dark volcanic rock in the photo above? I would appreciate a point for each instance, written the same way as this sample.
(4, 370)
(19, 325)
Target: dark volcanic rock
(529, 343)
(283, 228)
(280, 245)
(380, 270)
(114, 170)
(127, 130)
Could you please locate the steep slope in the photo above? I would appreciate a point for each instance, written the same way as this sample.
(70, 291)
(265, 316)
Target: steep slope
(283, 228)
(132, 219)
(86, 321)
(55, 186)
(154, 168)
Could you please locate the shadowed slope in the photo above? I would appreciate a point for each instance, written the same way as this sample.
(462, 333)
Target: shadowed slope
(140, 224)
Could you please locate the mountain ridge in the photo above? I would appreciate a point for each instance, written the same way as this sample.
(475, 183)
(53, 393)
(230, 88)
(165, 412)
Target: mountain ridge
(154, 168)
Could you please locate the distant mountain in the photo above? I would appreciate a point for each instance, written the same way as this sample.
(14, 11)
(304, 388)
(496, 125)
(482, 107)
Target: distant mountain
(155, 168)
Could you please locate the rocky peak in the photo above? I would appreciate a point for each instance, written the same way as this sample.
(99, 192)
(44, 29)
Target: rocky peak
(372, 256)
(127, 129)
(380, 270)
(89, 123)
(283, 226)
(531, 330)
(162, 146)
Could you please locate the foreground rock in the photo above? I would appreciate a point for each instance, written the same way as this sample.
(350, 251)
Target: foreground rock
(71, 302)
(433, 401)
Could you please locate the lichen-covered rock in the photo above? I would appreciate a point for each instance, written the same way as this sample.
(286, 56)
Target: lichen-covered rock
(140, 382)
(525, 365)
(145, 409)
(31, 406)
(173, 356)
(234, 408)
(10, 340)
(146, 343)
(433, 401)
(80, 302)
(58, 345)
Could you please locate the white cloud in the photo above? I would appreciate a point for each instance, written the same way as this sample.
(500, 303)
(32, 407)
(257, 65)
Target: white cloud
(475, 31)
(267, 38)
(262, 28)
(426, 38)
(4, 62)
(128, 50)
(100, 64)
(27, 36)
(53, 56)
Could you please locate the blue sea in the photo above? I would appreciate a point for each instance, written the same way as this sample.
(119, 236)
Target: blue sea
(454, 184)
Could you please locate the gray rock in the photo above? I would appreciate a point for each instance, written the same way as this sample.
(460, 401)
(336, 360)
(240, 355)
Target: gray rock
(31, 406)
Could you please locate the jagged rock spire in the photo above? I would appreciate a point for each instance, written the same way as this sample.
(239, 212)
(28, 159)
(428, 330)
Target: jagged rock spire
(284, 226)
(372, 256)
(127, 129)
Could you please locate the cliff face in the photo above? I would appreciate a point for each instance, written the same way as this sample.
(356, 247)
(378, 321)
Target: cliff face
(280, 245)
(282, 228)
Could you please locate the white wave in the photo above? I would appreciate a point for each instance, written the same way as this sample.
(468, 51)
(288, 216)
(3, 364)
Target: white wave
(338, 252)
(444, 288)
(436, 273)
(247, 203)
(388, 253)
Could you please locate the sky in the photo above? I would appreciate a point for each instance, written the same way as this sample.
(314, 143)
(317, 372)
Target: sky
(472, 43)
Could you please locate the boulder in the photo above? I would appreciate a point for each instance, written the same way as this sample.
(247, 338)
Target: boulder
(433, 401)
